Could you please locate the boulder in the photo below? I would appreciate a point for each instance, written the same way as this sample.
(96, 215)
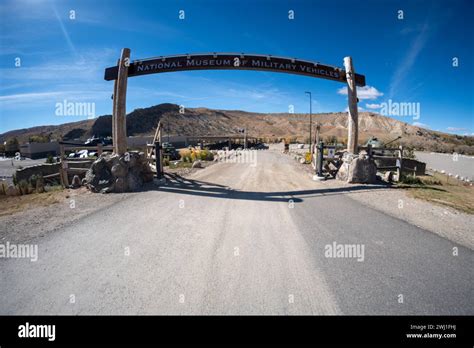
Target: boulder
(76, 181)
(357, 169)
(362, 171)
(119, 170)
(134, 182)
(388, 176)
(113, 173)
(120, 185)
(111, 160)
(343, 172)
(148, 176)
(197, 164)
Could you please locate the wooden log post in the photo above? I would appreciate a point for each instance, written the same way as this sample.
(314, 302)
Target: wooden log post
(61, 170)
(64, 171)
(158, 160)
(160, 154)
(353, 124)
(120, 95)
(400, 163)
(114, 96)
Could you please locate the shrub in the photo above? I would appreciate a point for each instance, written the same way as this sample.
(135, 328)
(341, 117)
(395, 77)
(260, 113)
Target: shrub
(3, 187)
(206, 155)
(34, 178)
(409, 153)
(24, 187)
(50, 159)
(39, 138)
(193, 155)
(431, 181)
(411, 180)
(185, 155)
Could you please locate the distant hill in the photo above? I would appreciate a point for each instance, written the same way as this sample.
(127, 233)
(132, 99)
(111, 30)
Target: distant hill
(203, 121)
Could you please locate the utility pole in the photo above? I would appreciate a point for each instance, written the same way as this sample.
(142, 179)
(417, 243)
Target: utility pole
(245, 138)
(310, 119)
(244, 131)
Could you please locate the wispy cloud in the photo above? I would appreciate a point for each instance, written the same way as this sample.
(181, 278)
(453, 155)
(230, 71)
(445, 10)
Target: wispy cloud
(51, 97)
(64, 31)
(359, 108)
(59, 72)
(366, 92)
(456, 129)
(26, 96)
(422, 125)
(373, 106)
(409, 59)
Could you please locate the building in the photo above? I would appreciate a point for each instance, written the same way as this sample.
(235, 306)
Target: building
(39, 150)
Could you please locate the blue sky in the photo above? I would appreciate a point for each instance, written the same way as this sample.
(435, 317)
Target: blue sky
(407, 60)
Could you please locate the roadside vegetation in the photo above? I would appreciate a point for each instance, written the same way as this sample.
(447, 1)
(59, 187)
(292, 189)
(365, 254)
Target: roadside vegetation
(14, 204)
(441, 189)
(191, 155)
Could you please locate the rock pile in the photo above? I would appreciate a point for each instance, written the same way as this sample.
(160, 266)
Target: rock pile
(113, 173)
(357, 169)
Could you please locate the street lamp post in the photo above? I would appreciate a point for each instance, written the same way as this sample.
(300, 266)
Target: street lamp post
(310, 121)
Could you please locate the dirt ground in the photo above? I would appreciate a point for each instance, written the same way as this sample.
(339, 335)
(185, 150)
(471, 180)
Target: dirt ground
(35, 215)
(38, 214)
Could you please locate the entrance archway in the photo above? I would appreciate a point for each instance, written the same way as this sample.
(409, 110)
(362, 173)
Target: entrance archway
(226, 61)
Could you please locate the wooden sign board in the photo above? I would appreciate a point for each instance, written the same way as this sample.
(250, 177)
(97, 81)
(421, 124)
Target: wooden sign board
(229, 61)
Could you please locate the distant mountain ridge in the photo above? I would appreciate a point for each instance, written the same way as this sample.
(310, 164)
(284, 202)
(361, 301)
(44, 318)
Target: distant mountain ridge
(204, 121)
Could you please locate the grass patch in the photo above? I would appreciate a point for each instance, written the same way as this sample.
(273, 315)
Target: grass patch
(442, 190)
(179, 164)
(10, 205)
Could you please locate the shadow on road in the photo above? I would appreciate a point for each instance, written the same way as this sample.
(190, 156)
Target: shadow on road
(178, 184)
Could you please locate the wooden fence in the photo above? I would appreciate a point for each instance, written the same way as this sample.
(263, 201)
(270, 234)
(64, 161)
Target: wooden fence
(71, 166)
(402, 163)
(76, 166)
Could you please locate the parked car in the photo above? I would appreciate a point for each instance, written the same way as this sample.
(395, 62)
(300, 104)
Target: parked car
(169, 151)
(94, 141)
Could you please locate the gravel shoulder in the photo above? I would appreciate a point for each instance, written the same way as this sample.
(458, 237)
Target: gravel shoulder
(64, 208)
(36, 215)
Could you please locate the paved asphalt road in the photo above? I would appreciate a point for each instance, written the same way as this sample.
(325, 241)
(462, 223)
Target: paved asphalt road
(230, 241)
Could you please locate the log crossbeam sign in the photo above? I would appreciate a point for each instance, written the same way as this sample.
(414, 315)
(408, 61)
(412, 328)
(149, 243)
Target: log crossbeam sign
(226, 61)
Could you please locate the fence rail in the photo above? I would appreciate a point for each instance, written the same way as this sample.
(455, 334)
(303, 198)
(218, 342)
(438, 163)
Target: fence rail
(67, 164)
